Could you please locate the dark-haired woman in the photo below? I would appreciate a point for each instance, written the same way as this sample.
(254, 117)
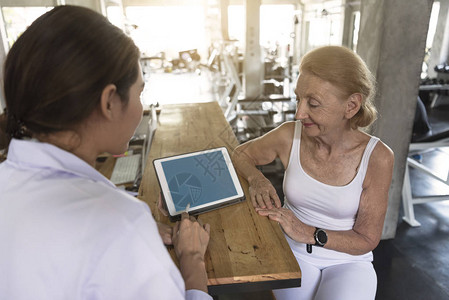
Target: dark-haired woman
(72, 85)
(336, 180)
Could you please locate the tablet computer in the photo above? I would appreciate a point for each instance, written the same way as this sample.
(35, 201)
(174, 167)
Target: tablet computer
(198, 182)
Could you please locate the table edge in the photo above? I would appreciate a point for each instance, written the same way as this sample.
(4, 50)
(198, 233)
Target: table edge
(245, 287)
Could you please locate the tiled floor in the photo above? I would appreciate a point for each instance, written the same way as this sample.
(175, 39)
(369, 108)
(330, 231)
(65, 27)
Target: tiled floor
(415, 264)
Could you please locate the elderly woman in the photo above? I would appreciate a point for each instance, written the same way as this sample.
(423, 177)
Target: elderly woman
(336, 179)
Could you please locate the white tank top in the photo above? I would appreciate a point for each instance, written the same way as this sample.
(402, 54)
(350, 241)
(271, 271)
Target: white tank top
(319, 204)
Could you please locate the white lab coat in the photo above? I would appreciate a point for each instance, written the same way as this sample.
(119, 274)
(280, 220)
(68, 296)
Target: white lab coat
(66, 232)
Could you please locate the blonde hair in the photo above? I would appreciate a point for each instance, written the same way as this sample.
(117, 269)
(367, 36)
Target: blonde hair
(346, 70)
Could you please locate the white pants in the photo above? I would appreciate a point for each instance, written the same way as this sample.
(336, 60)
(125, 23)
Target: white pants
(342, 281)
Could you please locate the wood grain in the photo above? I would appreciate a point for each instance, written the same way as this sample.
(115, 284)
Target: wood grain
(244, 247)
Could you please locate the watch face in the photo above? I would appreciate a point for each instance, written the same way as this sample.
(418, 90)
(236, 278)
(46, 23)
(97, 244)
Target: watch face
(321, 236)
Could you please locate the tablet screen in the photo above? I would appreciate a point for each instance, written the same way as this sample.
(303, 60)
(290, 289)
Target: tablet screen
(198, 179)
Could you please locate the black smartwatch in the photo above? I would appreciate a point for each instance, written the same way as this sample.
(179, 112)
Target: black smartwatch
(320, 236)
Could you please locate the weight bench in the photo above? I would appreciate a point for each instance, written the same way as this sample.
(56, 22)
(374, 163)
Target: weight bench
(436, 136)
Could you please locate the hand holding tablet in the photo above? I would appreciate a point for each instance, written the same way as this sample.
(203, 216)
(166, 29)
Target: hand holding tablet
(204, 180)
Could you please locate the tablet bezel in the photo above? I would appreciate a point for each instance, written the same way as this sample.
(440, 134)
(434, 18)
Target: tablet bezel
(194, 210)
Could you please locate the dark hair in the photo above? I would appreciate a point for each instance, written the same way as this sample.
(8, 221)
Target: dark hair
(55, 72)
(345, 69)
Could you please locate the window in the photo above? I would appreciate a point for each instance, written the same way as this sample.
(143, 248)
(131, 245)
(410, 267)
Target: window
(168, 29)
(355, 29)
(17, 19)
(429, 41)
(236, 22)
(276, 23)
(325, 24)
(432, 24)
(115, 15)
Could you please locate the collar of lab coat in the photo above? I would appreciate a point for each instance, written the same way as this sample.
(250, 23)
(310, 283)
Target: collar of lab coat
(37, 155)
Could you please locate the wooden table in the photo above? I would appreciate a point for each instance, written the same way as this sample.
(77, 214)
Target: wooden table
(246, 252)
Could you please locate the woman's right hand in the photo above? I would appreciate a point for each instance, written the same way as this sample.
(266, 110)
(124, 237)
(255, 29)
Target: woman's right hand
(190, 239)
(262, 193)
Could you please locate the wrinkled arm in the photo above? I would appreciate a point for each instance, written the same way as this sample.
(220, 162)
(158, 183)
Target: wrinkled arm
(367, 230)
(261, 151)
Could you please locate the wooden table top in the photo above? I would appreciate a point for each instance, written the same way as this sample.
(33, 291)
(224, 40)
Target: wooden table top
(246, 252)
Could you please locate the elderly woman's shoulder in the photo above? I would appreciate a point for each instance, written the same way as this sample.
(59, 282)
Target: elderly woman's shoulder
(286, 129)
(281, 135)
(382, 154)
(287, 126)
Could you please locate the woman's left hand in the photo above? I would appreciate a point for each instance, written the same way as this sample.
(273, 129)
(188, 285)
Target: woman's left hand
(166, 232)
(160, 206)
(291, 225)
